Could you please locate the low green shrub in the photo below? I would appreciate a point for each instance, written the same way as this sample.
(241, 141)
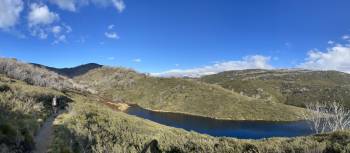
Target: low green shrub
(93, 127)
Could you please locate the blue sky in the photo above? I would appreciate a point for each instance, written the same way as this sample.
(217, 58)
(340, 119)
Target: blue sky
(181, 37)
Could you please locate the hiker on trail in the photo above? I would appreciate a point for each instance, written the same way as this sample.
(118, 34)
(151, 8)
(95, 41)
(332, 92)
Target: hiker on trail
(55, 105)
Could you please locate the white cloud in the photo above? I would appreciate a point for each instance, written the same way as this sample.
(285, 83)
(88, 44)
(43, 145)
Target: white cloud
(10, 11)
(137, 60)
(330, 42)
(68, 28)
(111, 35)
(39, 32)
(248, 62)
(119, 4)
(334, 58)
(73, 5)
(56, 29)
(110, 27)
(41, 15)
(60, 32)
(65, 4)
(41, 24)
(60, 39)
(346, 37)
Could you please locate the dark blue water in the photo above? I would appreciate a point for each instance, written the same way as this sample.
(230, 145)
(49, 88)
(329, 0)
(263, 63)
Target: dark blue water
(214, 127)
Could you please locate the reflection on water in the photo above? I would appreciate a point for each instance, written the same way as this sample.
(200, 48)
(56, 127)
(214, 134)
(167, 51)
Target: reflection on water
(238, 129)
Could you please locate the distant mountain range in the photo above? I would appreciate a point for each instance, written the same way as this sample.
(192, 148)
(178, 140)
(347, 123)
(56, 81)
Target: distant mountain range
(72, 72)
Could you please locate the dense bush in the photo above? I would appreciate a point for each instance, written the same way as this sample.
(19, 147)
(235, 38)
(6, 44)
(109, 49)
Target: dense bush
(23, 109)
(35, 75)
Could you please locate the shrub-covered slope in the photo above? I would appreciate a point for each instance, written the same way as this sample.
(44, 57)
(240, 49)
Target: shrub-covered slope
(293, 87)
(35, 75)
(23, 108)
(182, 95)
(89, 126)
(92, 127)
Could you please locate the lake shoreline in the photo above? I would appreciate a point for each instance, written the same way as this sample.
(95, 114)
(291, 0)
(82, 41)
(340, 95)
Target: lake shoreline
(241, 129)
(125, 106)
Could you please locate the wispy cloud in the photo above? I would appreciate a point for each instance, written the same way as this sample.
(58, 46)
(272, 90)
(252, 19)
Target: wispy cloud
(137, 60)
(69, 5)
(346, 37)
(248, 62)
(111, 26)
(111, 35)
(59, 39)
(73, 5)
(119, 4)
(43, 22)
(330, 42)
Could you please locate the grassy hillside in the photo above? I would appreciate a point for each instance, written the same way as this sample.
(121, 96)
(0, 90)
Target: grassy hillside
(293, 87)
(34, 75)
(23, 108)
(92, 127)
(184, 96)
(89, 126)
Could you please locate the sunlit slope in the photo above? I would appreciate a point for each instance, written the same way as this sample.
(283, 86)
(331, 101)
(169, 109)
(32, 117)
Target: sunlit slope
(293, 87)
(97, 128)
(184, 96)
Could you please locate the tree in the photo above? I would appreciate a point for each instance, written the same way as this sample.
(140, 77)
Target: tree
(315, 115)
(327, 117)
(338, 117)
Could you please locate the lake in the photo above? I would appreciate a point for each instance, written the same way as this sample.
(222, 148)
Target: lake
(214, 127)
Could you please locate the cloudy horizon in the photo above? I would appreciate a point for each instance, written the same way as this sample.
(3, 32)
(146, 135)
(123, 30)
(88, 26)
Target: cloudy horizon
(163, 39)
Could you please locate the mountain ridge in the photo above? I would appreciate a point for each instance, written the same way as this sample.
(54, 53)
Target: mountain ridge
(71, 72)
(293, 87)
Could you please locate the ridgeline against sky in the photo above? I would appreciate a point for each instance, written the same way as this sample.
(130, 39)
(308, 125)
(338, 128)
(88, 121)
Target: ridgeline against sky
(178, 38)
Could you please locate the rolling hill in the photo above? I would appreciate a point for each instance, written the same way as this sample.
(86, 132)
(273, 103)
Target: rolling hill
(90, 126)
(71, 72)
(182, 96)
(293, 87)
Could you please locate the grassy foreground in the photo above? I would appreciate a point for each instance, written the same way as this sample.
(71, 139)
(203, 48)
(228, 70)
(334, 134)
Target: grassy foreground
(23, 109)
(93, 127)
(183, 96)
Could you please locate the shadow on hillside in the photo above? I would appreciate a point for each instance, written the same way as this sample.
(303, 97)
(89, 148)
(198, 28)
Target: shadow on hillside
(17, 129)
(15, 132)
(151, 147)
